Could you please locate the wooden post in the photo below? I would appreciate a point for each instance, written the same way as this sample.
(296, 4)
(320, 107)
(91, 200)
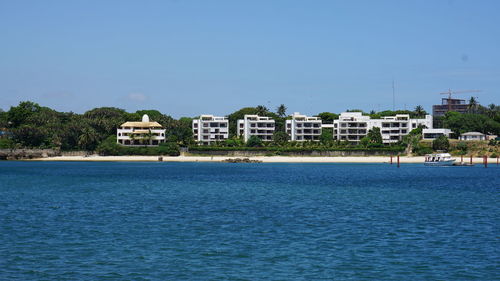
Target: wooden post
(497, 160)
(391, 159)
(398, 161)
(461, 158)
(471, 159)
(485, 160)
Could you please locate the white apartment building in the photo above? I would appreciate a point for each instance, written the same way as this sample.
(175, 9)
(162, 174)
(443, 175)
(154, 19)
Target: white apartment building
(144, 133)
(303, 128)
(394, 128)
(255, 125)
(208, 129)
(353, 126)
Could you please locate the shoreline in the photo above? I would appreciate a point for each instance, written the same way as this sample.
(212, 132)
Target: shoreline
(263, 159)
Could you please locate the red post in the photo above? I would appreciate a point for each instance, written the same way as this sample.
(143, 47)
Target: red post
(391, 159)
(398, 161)
(485, 159)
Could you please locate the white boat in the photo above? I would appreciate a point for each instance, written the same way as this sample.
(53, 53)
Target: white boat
(439, 159)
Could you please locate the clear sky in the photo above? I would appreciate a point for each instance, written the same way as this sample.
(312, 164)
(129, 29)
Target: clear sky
(188, 57)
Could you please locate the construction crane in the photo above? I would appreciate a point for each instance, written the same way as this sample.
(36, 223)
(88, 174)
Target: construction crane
(450, 92)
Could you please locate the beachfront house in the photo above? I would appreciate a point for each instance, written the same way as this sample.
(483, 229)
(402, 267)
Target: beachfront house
(303, 128)
(255, 125)
(144, 133)
(472, 136)
(353, 126)
(208, 129)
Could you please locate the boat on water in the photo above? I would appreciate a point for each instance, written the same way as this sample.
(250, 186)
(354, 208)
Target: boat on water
(439, 159)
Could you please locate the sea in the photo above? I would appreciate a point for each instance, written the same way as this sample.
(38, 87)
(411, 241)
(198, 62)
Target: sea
(248, 221)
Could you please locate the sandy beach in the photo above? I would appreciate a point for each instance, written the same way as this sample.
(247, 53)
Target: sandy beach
(265, 159)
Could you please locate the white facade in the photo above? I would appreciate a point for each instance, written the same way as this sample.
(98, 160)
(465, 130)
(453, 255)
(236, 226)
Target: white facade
(208, 129)
(255, 125)
(303, 128)
(430, 134)
(143, 133)
(394, 128)
(427, 122)
(353, 126)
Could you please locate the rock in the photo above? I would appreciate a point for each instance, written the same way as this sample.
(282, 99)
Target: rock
(241, 160)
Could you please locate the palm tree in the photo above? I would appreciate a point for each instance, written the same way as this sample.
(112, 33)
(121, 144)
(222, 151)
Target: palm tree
(492, 110)
(472, 105)
(148, 137)
(281, 110)
(132, 138)
(88, 139)
(419, 111)
(261, 110)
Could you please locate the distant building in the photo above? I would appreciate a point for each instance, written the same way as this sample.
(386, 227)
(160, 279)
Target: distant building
(208, 129)
(472, 136)
(144, 133)
(303, 128)
(353, 126)
(430, 134)
(449, 104)
(255, 125)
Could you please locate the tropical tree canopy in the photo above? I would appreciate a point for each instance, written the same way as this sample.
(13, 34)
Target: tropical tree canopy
(441, 143)
(374, 135)
(281, 110)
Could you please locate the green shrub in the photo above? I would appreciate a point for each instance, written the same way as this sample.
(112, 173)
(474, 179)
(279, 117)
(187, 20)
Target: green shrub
(110, 147)
(493, 155)
(441, 143)
(254, 141)
(296, 149)
(422, 150)
(6, 143)
(169, 148)
(462, 146)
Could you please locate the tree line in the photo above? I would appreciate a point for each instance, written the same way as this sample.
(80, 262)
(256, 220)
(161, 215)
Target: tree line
(32, 125)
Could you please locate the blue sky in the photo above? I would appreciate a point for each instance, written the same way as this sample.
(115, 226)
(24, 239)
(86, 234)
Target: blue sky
(187, 57)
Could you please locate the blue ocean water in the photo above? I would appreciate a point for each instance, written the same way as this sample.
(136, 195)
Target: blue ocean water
(222, 221)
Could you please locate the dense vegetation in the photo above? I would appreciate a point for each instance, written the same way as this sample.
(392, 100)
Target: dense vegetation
(32, 125)
(35, 126)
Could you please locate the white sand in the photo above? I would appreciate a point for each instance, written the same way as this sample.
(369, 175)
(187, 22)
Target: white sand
(266, 159)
